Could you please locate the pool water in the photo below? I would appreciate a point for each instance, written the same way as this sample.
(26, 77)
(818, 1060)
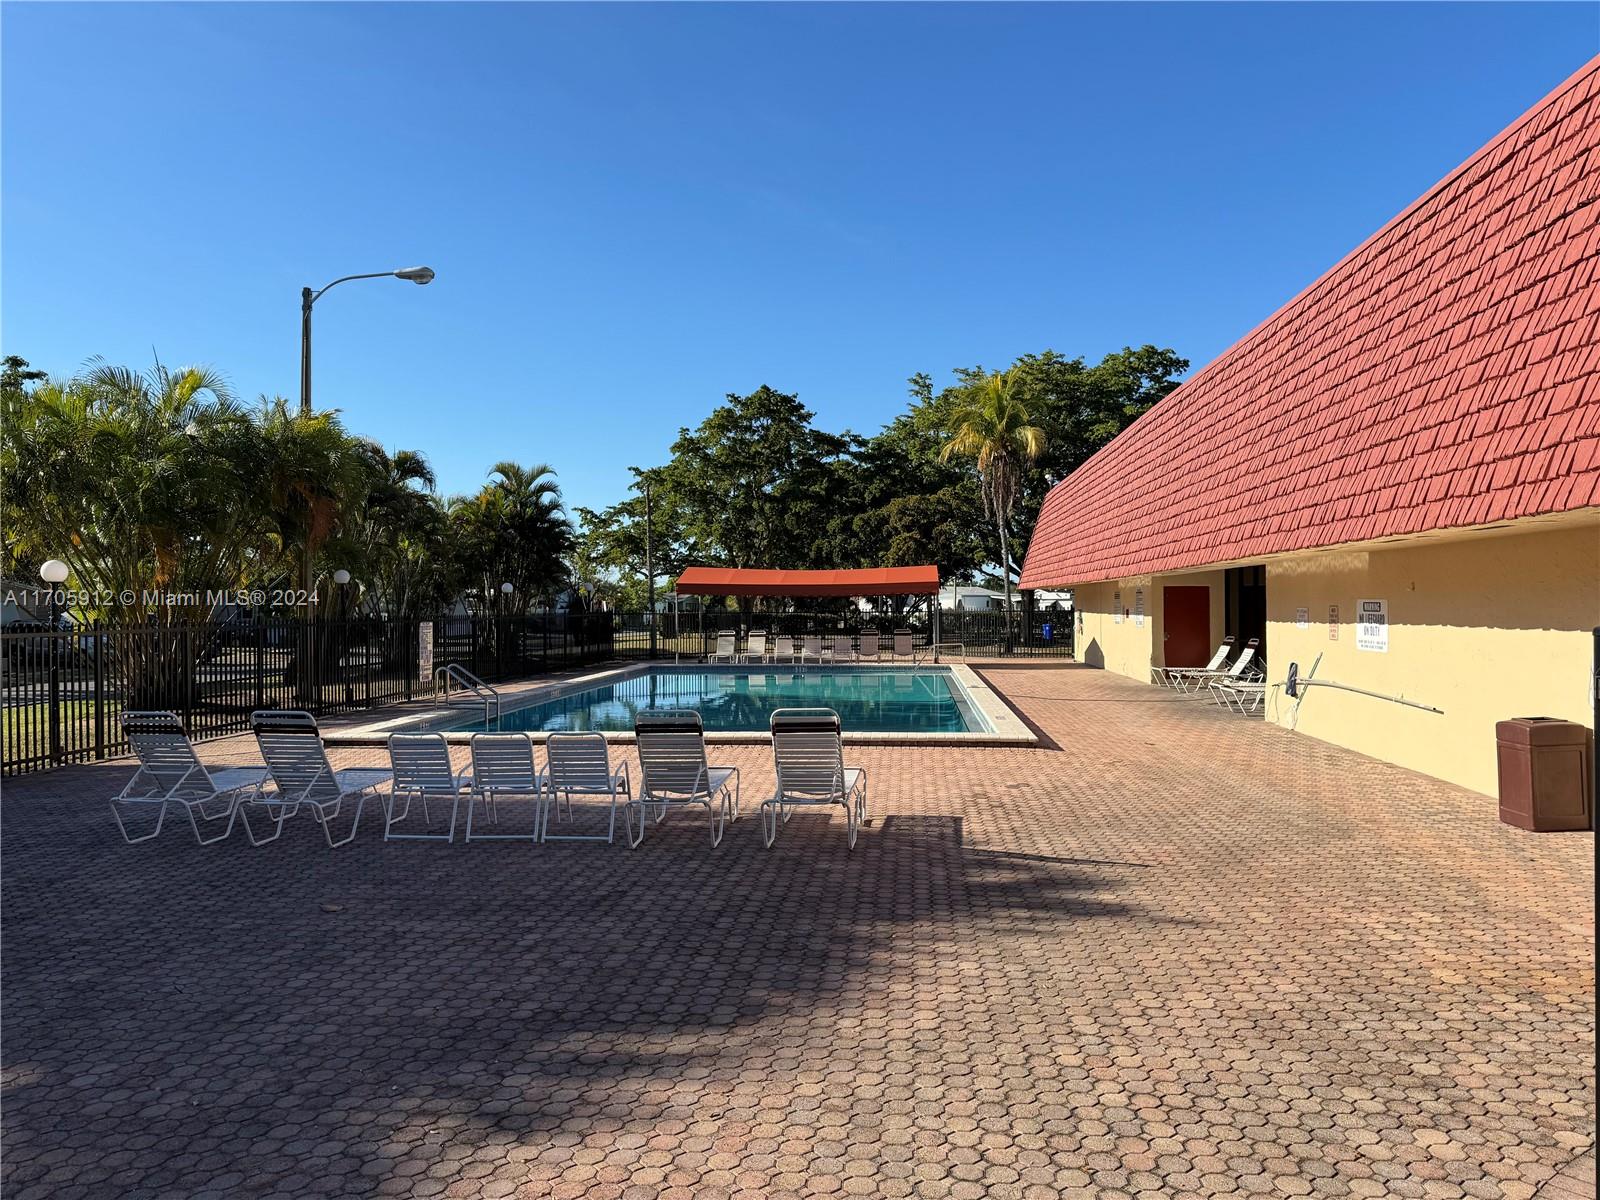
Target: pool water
(867, 701)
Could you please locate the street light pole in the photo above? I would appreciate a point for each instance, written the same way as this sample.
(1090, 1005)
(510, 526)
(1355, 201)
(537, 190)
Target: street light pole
(650, 563)
(416, 275)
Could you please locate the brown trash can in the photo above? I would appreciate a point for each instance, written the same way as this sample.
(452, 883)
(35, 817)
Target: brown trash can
(1545, 773)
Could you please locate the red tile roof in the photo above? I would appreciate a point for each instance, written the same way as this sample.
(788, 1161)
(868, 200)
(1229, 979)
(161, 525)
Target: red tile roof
(869, 581)
(1445, 373)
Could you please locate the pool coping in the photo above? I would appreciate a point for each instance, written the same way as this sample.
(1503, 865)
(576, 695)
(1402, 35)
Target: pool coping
(1006, 728)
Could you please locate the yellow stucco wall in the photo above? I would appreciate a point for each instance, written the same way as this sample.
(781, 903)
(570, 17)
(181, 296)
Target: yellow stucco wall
(1129, 648)
(1123, 646)
(1485, 627)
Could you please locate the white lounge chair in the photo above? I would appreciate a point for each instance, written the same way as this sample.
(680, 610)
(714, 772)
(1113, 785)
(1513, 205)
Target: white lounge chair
(1243, 696)
(579, 764)
(783, 647)
(674, 772)
(841, 648)
(422, 772)
(868, 648)
(755, 649)
(171, 773)
(503, 769)
(808, 755)
(1174, 677)
(727, 648)
(1200, 681)
(302, 777)
(812, 648)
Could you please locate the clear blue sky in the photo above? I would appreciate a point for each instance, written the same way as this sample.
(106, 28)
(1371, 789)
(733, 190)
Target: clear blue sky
(634, 210)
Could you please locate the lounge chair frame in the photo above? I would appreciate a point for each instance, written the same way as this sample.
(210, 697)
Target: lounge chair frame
(303, 779)
(808, 757)
(422, 771)
(674, 773)
(170, 772)
(579, 764)
(504, 768)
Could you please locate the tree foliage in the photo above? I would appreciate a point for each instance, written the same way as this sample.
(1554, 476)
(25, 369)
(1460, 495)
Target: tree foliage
(756, 484)
(161, 481)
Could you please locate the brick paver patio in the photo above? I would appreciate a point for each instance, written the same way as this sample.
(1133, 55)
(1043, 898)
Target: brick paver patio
(1170, 954)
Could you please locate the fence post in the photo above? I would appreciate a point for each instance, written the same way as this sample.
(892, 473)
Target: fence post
(99, 692)
(53, 649)
(261, 664)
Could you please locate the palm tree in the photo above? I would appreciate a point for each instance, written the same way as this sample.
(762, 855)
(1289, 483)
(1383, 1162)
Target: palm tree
(132, 478)
(995, 427)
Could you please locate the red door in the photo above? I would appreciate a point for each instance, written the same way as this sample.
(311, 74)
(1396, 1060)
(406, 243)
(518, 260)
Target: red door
(1186, 626)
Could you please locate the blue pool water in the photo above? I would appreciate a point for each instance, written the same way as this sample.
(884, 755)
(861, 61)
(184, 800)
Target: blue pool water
(867, 701)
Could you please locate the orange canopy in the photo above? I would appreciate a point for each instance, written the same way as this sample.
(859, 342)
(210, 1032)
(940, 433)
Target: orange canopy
(872, 581)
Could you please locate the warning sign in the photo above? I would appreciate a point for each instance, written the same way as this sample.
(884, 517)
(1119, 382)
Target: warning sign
(1372, 625)
(1333, 622)
(1138, 607)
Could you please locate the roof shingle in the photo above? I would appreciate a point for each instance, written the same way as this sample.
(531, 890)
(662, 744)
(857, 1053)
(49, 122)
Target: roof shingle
(1445, 373)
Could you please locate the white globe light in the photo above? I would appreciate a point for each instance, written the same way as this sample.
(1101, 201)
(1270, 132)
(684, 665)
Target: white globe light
(54, 571)
(341, 577)
(506, 588)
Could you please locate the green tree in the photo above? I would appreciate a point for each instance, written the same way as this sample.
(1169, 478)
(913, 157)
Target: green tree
(995, 428)
(514, 530)
(751, 485)
(134, 479)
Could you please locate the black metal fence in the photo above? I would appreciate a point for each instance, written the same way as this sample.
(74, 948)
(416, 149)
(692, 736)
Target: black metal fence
(977, 633)
(62, 692)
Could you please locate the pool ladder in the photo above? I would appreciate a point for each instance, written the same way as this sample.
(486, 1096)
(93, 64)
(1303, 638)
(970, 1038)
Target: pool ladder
(455, 673)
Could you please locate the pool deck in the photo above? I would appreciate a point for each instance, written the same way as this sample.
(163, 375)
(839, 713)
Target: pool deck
(1165, 952)
(1005, 727)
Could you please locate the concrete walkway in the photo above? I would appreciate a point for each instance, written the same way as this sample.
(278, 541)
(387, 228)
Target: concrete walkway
(1170, 953)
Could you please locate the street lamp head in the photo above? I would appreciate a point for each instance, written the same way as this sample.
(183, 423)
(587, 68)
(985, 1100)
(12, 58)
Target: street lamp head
(54, 571)
(506, 588)
(341, 577)
(417, 275)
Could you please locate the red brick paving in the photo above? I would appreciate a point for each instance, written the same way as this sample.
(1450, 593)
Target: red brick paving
(1173, 954)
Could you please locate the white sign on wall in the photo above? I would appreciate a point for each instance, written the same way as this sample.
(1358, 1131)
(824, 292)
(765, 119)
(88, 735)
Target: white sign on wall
(1302, 618)
(1333, 622)
(1372, 625)
(425, 651)
(1138, 607)
(1116, 608)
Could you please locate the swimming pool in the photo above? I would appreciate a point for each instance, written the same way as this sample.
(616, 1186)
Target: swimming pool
(867, 699)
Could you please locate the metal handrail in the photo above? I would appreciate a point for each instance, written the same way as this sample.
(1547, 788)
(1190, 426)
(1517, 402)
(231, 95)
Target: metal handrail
(470, 683)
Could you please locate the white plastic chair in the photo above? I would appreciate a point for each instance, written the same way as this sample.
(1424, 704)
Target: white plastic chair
(302, 777)
(674, 772)
(579, 764)
(783, 646)
(756, 647)
(503, 769)
(422, 771)
(812, 648)
(842, 649)
(727, 648)
(171, 773)
(808, 755)
(869, 645)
